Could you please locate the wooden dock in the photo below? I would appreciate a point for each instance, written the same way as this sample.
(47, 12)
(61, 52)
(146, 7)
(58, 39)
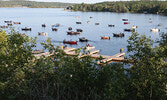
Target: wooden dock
(92, 52)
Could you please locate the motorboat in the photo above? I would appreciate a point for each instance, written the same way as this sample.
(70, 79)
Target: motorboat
(42, 33)
(70, 42)
(26, 29)
(105, 37)
(154, 29)
(73, 33)
(83, 39)
(118, 34)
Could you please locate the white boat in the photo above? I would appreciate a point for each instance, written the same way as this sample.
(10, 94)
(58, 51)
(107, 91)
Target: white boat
(42, 33)
(90, 47)
(134, 27)
(155, 30)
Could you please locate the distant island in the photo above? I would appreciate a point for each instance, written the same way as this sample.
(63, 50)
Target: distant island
(33, 4)
(153, 7)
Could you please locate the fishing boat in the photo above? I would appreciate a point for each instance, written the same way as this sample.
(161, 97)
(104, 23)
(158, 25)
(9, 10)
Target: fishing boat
(73, 33)
(79, 30)
(54, 29)
(118, 34)
(42, 33)
(126, 22)
(16, 22)
(110, 25)
(83, 39)
(26, 29)
(124, 19)
(70, 42)
(105, 37)
(155, 30)
(78, 22)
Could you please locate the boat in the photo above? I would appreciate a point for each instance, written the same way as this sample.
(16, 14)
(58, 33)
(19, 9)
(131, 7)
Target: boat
(118, 34)
(126, 22)
(110, 25)
(70, 28)
(150, 21)
(83, 39)
(78, 22)
(7, 21)
(90, 47)
(54, 29)
(56, 25)
(124, 19)
(16, 23)
(26, 29)
(9, 24)
(155, 30)
(90, 17)
(88, 21)
(97, 23)
(73, 33)
(4, 26)
(70, 42)
(134, 27)
(43, 25)
(105, 37)
(42, 33)
(79, 30)
(129, 30)
(159, 24)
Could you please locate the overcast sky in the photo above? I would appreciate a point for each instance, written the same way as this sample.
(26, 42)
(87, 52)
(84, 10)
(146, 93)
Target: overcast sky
(77, 1)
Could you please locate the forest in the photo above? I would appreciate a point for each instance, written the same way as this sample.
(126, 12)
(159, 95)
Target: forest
(33, 4)
(153, 7)
(63, 77)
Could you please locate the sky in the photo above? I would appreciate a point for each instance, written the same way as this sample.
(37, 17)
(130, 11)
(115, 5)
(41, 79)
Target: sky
(77, 1)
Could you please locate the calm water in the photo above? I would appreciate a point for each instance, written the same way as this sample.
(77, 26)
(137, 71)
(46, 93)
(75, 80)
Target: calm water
(34, 17)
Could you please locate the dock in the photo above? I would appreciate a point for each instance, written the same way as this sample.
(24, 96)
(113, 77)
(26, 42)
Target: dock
(90, 51)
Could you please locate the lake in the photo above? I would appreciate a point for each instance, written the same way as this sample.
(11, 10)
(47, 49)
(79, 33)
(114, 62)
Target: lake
(35, 17)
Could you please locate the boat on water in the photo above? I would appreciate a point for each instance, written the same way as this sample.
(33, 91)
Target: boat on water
(8, 21)
(70, 28)
(70, 42)
(124, 19)
(97, 23)
(90, 17)
(73, 33)
(159, 24)
(54, 29)
(129, 30)
(78, 22)
(118, 34)
(126, 22)
(9, 24)
(4, 26)
(79, 30)
(43, 25)
(90, 47)
(154, 29)
(42, 33)
(111, 25)
(105, 37)
(56, 25)
(150, 21)
(83, 39)
(16, 22)
(134, 27)
(26, 29)
(37, 51)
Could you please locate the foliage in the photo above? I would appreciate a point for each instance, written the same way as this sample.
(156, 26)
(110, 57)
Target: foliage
(63, 77)
(126, 6)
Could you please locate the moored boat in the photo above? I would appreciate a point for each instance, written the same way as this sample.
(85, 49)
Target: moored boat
(78, 22)
(42, 33)
(73, 33)
(105, 37)
(124, 19)
(118, 34)
(16, 22)
(9, 24)
(54, 29)
(43, 25)
(26, 29)
(97, 23)
(70, 42)
(126, 22)
(79, 30)
(4, 26)
(111, 25)
(155, 30)
(56, 25)
(129, 30)
(8, 21)
(134, 27)
(83, 39)
(70, 28)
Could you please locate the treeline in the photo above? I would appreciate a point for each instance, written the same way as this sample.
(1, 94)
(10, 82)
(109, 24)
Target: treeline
(62, 77)
(153, 7)
(33, 4)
